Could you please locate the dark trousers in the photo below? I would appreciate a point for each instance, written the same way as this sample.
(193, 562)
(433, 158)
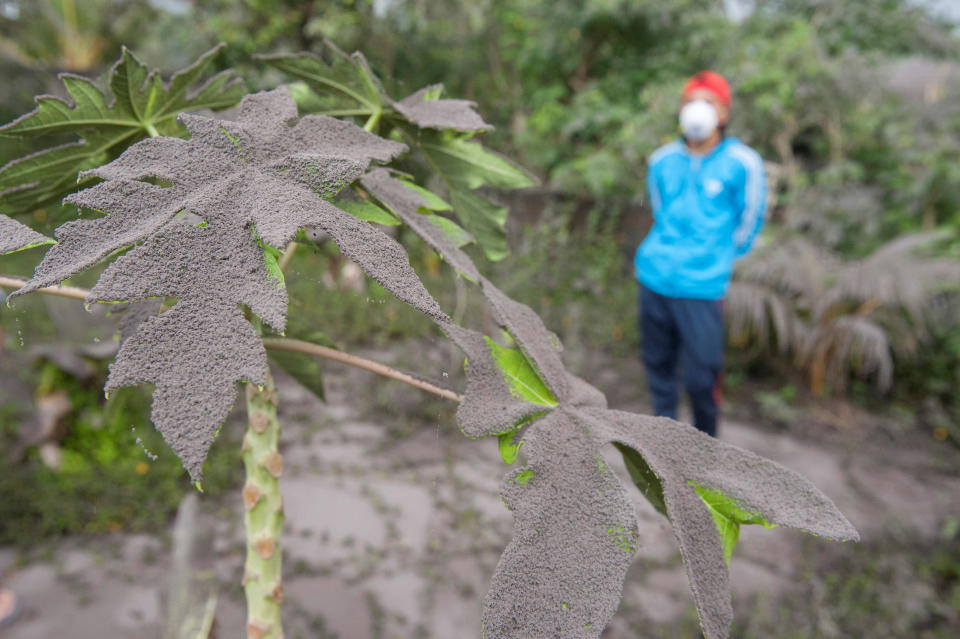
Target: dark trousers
(688, 332)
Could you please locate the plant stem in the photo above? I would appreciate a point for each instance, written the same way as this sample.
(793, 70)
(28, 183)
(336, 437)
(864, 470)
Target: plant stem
(263, 513)
(151, 130)
(60, 291)
(373, 121)
(287, 256)
(299, 346)
(277, 343)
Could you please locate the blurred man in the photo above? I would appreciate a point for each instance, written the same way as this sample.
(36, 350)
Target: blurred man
(708, 193)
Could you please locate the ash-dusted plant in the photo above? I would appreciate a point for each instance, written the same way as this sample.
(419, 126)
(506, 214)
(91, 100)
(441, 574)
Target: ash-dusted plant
(840, 319)
(198, 225)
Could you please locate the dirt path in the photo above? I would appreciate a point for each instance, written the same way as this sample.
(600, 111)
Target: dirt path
(394, 525)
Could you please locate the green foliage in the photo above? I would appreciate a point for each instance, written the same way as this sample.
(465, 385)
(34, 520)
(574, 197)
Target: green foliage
(576, 276)
(440, 130)
(729, 515)
(521, 376)
(841, 319)
(116, 474)
(592, 81)
(63, 139)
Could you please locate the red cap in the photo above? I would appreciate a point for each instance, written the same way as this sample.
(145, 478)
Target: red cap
(712, 82)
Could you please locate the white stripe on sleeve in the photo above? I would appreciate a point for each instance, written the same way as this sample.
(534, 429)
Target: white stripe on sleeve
(753, 164)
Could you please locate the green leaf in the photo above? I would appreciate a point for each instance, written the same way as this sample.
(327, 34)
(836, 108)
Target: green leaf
(434, 202)
(301, 367)
(729, 515)
(453, 231)
(467, 164)
(271, 256)
(139, 105)
(457, 235)
(464, 166)
(484, 220)
(345, 83)
(521, 376)
(645, 479)
(348, 88)
(366, 210)
(509, 449)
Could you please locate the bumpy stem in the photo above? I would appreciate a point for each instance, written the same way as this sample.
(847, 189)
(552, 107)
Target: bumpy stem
(263, 513)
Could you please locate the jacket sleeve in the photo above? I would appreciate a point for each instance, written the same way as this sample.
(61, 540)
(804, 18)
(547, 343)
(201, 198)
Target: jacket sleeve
(752, 201)
(653, 187)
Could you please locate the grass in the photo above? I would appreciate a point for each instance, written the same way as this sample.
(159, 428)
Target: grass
(883, 591)
(116, 473)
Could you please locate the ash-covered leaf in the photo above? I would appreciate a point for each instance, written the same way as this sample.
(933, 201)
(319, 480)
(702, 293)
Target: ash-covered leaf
(129, 316)
(533, 593)
(193, 354)
(59, 139)
(15, 236)
(440, 129)
(181, 259)
(427, 110)
(253, 184)
(346, 86)
(524, 325)
(689, 463)
(574, 537)
(405, 203)
(488, 406)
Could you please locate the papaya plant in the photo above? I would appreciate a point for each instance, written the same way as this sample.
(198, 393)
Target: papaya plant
(194, 233)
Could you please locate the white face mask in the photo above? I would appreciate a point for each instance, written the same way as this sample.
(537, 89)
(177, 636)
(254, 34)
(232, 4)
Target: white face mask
(698, 120)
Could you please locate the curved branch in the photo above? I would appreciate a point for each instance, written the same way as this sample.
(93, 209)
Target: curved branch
(60, 291)
(277, 343)
(299, 346)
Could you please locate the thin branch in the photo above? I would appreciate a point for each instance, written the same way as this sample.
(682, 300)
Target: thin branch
(59, 290)
(287, 256)
(299, 346)
(276, 343)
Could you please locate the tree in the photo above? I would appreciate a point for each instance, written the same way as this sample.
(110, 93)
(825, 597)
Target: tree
(196, 232)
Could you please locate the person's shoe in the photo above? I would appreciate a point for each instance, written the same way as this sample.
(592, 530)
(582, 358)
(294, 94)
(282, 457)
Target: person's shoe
(9, 607)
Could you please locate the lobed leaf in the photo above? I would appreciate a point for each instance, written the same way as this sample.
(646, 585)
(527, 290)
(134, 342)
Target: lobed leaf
(464, 166)
(703, 485)
(439, 128)
(520, 375)
(138, 105)
(425, 109)
(740, 486)
(346, 83)
(575, 534)
(15, 236)
(253, 184)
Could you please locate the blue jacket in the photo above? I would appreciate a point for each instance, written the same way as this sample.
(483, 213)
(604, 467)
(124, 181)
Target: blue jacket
(707, 210)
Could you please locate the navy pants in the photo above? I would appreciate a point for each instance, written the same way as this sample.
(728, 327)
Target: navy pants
(688, 332)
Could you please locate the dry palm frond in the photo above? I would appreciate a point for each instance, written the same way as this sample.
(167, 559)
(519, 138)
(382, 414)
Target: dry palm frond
(850, 345)
(892, 276)
(843, 318)
(795, 267)
(759, 316)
